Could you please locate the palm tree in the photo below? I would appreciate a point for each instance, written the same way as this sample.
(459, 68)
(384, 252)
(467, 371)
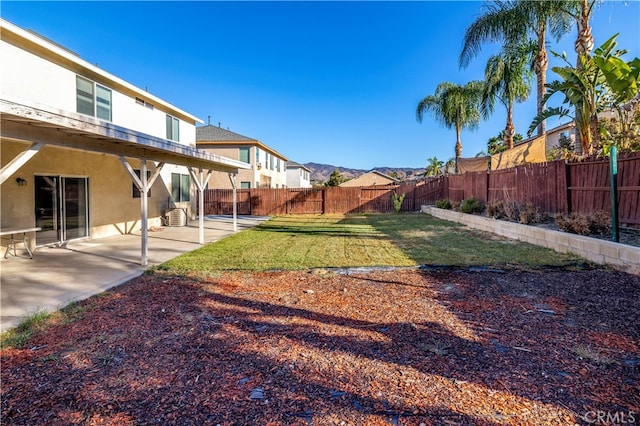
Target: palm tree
(454, 106)
(508, 78)
(433, 167)
(511, 21)
(495, 144)
(581, 11)
(449, 165)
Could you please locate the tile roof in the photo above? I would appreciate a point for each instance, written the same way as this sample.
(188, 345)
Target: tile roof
(218, 134)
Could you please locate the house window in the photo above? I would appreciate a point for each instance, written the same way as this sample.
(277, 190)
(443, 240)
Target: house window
(93, 99)
(278, 166)
(244, 155)
(245, 185)
(142, 102)
(180, 187)
(173, 128)
(136, 191)
(272, 160)
(257, 155)
(103, 103)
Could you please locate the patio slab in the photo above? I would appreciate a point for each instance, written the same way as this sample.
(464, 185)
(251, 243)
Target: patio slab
(57, 276)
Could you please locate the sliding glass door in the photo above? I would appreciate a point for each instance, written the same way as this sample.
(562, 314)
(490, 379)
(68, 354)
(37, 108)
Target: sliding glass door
(62, 208)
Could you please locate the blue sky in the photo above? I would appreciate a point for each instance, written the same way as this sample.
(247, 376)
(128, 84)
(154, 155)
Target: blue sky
(327, 82)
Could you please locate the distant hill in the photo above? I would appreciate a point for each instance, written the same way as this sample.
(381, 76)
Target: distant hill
(321, 172)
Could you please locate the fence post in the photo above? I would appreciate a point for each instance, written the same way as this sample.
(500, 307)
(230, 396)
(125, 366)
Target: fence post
(613, 168)
(486, 188)
(567, 171)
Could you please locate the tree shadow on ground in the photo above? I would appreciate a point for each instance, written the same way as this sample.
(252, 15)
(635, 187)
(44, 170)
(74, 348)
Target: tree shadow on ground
(177, 351)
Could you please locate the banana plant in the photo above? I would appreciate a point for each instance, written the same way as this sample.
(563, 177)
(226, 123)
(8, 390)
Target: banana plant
(599, 82)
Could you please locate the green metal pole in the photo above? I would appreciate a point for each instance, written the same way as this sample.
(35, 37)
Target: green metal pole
(613, 161)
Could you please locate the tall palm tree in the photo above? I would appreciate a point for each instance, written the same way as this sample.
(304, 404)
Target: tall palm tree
(511, 21)
(581, 11)
(508, 79)
(433, 167)
(454, 106)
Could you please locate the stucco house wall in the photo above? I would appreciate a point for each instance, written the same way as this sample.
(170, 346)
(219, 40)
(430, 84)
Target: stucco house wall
(37, 73)
(298, 176)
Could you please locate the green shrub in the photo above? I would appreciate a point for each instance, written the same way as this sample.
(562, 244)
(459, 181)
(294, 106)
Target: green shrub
(397, 201)
(471, 205)
(444, 204)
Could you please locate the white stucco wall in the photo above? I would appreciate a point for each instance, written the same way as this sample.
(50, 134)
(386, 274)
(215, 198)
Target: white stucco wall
(35, 81)
(298, 177)
(28, 77)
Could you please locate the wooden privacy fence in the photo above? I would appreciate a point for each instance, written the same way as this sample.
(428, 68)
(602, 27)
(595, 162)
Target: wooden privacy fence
(554, 187)
(327, 200)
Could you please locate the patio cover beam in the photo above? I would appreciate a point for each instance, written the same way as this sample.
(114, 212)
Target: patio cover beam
(143, 184)
(232, 178)
(201, 179)
(19, 160)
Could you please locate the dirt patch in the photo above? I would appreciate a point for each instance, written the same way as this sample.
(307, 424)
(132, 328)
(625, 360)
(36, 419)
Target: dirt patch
(403, 347)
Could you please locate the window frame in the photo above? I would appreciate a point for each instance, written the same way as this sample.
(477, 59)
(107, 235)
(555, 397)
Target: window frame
(172, 125)
(180, 185)
(247, 157)
(97, 100)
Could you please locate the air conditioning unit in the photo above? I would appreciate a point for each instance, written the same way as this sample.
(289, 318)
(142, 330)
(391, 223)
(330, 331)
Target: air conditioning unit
(176, 217)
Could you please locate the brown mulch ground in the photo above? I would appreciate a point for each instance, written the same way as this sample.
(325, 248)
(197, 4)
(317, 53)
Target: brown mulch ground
(404, 347)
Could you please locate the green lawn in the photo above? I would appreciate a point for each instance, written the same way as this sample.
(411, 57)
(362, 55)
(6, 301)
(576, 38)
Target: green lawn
(328, 241)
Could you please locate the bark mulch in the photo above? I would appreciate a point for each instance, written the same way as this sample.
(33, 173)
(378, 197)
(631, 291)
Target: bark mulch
(404, 347)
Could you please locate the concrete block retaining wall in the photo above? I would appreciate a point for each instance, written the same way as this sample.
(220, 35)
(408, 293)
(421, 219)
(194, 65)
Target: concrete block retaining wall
(619, 256)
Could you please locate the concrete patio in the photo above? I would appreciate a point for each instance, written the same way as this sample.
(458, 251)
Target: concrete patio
(57, 276)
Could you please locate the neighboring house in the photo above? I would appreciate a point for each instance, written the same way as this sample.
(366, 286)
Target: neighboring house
(372, 178)
(79, 146)
(298, 175)
(567, 130)
(268, 168)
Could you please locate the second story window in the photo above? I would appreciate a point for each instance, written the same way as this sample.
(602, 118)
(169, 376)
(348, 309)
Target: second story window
(93, 99)
(173, 128)
(244, 154)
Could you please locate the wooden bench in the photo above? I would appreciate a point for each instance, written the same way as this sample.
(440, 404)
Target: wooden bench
(13, 241)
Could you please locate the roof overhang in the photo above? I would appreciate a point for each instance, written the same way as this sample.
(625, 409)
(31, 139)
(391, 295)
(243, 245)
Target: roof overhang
(223, 144)
(41, 124)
